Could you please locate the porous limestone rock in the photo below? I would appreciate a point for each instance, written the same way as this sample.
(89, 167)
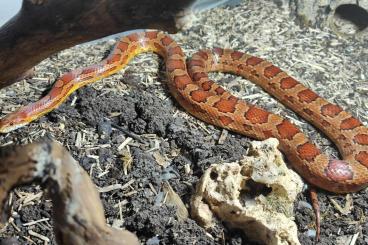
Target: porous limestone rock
(255, 195)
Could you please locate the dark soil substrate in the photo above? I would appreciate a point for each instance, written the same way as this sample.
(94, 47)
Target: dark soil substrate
(137, 102)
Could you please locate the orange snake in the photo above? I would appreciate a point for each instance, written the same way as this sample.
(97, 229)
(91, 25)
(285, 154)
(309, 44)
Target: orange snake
(209, 102)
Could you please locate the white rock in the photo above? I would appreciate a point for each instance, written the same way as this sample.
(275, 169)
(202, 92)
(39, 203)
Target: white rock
(228, 191)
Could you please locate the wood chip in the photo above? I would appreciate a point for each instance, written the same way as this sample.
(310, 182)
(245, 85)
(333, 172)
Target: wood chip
(174, 199)
(127, 159)
(115, 187)
(125, 143)
(160, 159)
(42, 237)
(223, 136)
(348, 205)
(36, 221)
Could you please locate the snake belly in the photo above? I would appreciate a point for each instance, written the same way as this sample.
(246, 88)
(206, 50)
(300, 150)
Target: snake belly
(208, 101)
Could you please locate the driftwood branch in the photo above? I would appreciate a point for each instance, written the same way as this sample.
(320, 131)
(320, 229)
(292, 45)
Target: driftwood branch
(43, 27)
(78, 212)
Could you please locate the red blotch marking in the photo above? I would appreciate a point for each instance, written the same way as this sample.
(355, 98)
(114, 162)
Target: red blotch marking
(243, 67)
(288, 83)
(362, 158)
(308, 151)
(289, 98)
(151, 34)
(124, 59)
(225, 120)
(307, 96)
(166, 41)
(257, 115)
(268, 133)
(271, 71)
(330, 110)
(341, 137)
(338, 170)
(350, 123)
(157, 46)
(236, 55)
(132, 48)
(68, 77)
(287, 130)
(207, 85)
(308, 111)
(133, 37)
(24, 112)
(254, 73)
(253, 61)
(218, 51)
(173, 65)
(59, 83)
(202, 54)
(175, 50)
(361, 139)
(253, 135)
(325, 123)
(123, 46)
(247, 127)
(273, 86)
(199, 96)
(182, 81)
(115, 58)
(226, 105)
(55, 92)
(198, 76)
(199, 63)
(220, 91)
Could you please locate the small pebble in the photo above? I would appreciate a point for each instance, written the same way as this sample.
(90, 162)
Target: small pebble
(159, 198)
(311, 233)
(153, 241)
(303, 204)
(169, 173)
(104, 128)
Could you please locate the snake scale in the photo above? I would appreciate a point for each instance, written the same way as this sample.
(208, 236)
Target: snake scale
(206, 100)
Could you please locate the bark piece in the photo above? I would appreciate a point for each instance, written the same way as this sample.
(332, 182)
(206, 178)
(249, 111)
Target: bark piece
(78, 212)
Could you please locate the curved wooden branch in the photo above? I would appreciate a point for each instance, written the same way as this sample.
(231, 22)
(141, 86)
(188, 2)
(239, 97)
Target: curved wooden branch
(78, 212)
(43, 27)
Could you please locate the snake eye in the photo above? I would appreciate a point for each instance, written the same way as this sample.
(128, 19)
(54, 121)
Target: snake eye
(11, 123)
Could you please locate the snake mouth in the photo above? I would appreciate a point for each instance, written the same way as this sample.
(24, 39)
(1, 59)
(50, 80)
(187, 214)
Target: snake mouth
(8, 127)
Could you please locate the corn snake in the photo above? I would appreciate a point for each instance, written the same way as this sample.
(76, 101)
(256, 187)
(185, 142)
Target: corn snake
(208, 101)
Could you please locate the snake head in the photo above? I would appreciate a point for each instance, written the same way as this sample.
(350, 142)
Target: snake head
(12, 121)
(339, 170)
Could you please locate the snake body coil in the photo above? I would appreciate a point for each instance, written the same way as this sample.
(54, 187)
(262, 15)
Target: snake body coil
(209, 102)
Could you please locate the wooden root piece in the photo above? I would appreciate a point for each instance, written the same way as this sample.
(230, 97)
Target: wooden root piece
(78, 212)
(43, 27)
